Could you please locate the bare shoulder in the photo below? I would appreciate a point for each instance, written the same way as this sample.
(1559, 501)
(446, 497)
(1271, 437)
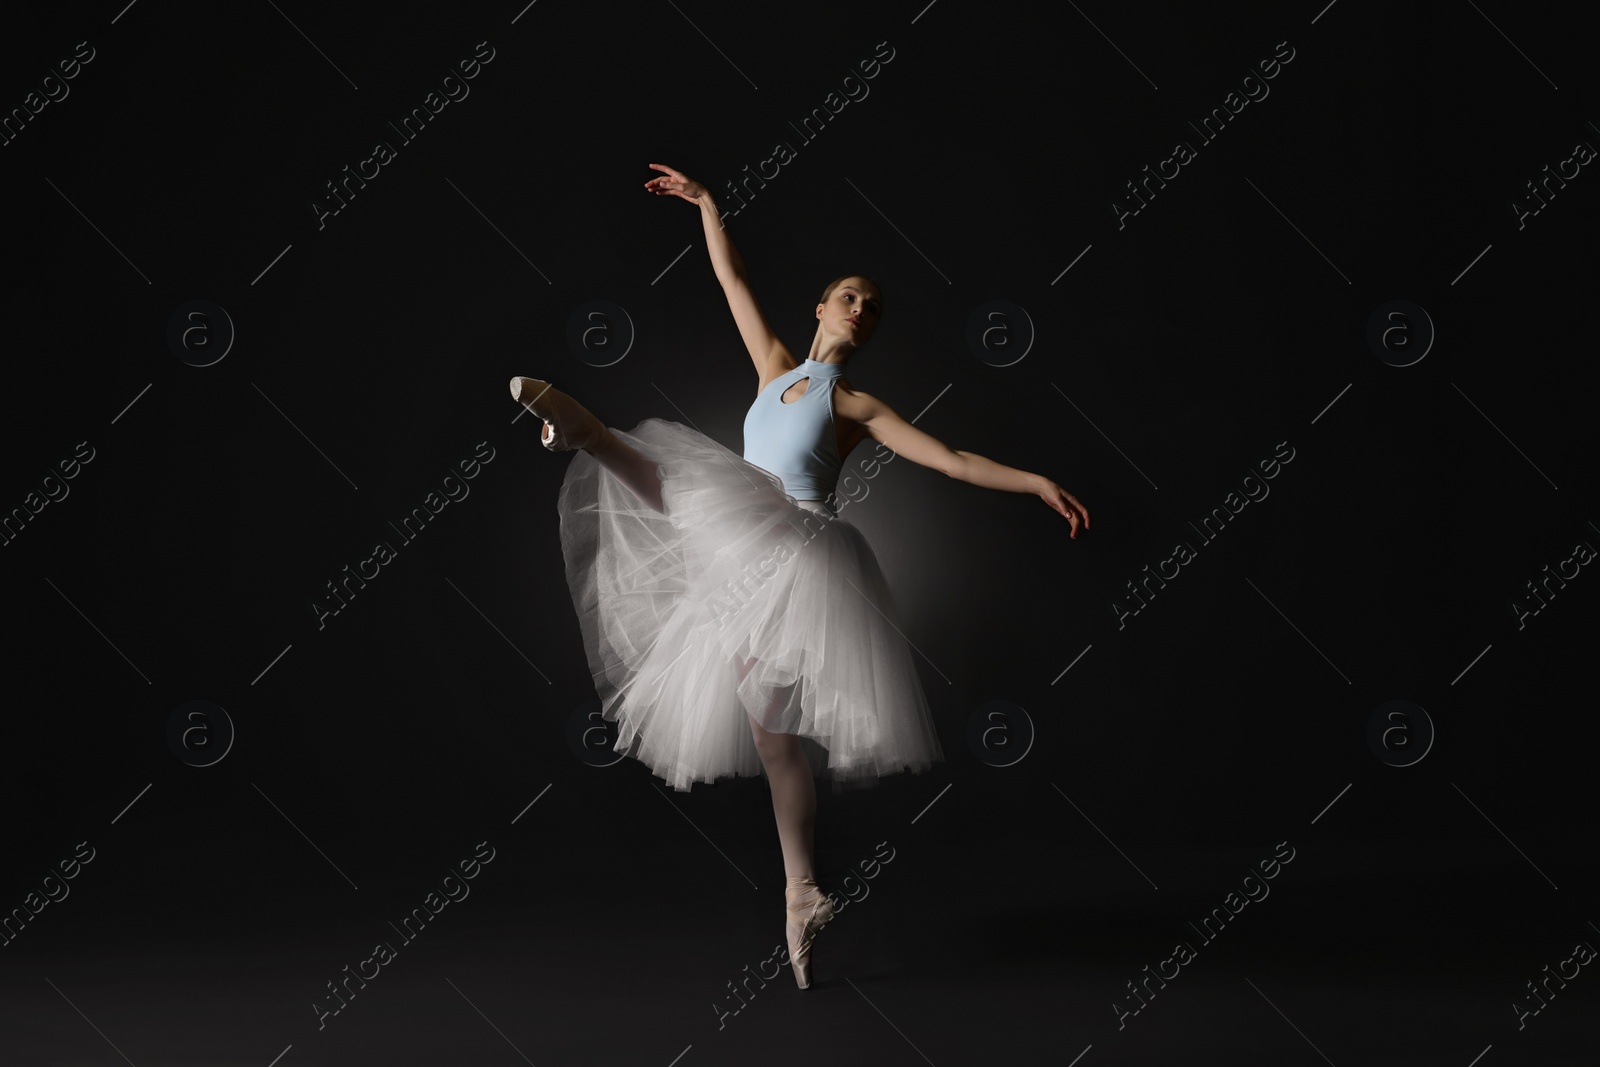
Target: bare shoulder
(851, 409)
(855, 404)
(779, 361)
(871, 418)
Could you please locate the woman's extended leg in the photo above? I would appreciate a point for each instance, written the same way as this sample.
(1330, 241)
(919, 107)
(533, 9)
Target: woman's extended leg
(571, 425)
(637, 471)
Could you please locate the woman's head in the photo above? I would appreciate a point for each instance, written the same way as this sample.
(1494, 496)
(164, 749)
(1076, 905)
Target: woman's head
(850, 309)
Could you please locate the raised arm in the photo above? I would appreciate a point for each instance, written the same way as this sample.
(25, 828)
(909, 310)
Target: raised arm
(884, 425)
(769, 354)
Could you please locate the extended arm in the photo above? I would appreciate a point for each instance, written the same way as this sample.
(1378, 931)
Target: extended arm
(766, 351)
(725, 258)
(885, 426)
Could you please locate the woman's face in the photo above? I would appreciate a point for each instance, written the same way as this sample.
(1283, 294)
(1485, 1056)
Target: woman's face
(851, 311)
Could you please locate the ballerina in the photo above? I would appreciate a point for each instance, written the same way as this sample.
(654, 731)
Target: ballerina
(715, 590)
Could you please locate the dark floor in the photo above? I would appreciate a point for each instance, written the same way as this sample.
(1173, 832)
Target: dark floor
(1014, 950)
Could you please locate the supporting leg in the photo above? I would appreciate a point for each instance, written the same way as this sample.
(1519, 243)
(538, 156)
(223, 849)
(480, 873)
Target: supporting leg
(794, 798)
(794, 801)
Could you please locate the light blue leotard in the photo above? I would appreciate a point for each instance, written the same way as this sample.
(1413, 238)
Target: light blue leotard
(797, 441)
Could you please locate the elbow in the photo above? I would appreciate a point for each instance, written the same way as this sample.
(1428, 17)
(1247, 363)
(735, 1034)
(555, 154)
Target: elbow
(955, 466)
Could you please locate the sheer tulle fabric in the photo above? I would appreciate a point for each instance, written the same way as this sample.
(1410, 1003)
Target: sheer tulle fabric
(736, 600)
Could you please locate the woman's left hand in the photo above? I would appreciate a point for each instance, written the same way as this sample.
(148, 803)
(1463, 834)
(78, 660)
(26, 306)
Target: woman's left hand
(1067, 504)
(675, 183)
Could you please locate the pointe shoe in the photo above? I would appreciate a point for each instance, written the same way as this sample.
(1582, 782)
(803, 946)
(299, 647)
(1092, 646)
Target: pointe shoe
(568, 424)
(807, 910)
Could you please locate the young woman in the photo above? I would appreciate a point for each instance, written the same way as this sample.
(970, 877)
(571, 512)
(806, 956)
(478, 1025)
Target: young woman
(715, 590)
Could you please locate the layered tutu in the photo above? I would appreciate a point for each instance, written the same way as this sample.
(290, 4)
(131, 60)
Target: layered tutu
(737, 600)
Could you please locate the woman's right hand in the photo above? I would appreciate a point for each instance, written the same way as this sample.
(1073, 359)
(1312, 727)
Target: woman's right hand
(675, 183)
(1066, 504)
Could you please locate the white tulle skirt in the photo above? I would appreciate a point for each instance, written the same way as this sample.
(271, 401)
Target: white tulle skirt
(736, 602)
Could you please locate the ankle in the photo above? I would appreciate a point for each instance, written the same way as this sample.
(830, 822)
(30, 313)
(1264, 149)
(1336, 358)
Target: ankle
(802, 892)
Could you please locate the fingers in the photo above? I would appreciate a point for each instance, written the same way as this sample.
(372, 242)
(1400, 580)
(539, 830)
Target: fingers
(1074, 512)
(1080, 508)
(669, 187)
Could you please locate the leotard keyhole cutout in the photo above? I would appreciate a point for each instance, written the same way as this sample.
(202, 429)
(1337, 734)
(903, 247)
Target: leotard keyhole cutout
(801, 385)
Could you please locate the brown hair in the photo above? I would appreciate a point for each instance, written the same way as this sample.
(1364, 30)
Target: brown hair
(846, 277)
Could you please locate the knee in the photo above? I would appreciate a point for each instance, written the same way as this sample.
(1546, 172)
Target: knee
(774, 747)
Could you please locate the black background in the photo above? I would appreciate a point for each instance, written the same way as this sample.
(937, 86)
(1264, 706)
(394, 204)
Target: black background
(1181, 348)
